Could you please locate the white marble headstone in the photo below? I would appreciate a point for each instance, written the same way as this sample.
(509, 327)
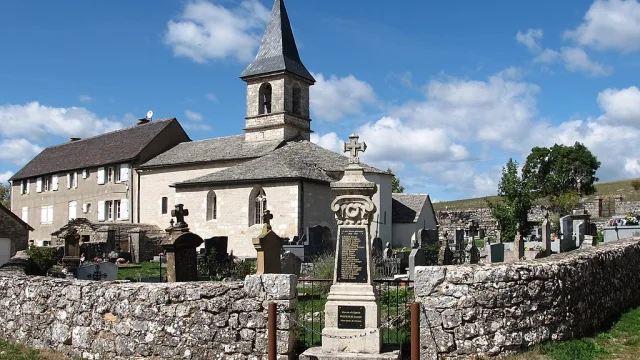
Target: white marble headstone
(104, 271)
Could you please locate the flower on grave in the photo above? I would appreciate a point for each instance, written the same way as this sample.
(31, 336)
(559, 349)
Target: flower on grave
(120, 260)
(631, 219)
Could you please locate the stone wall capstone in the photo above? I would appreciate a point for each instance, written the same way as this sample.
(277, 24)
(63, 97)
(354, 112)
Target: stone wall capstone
(491, 310)
(117, 320)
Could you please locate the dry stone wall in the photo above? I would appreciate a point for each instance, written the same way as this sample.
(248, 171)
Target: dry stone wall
(115, 320)
(496, 309)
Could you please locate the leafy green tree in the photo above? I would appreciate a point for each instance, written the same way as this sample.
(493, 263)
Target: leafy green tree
(561, 169)
(516, 199)
(5, 195)
(395, 183)
(565, 203)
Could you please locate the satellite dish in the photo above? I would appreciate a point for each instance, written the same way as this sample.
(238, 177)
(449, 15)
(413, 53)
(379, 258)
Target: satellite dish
(149, 114)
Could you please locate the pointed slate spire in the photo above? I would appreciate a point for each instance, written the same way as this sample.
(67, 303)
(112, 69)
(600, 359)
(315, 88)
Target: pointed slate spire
(278, 50)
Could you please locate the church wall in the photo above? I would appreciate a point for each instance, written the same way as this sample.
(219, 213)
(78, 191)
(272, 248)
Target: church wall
(317, 207)
(233, 213)
(404, 233)
(381, 225)
(154, 185)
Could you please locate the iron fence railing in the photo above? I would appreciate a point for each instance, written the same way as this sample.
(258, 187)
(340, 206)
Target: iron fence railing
(395, 299)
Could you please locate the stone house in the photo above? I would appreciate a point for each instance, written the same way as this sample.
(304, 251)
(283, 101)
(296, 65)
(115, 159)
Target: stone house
(410, 213)
(14, 234)
(89, 178)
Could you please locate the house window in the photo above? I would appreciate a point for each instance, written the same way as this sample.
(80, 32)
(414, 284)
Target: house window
(25, 214)
(258, 205)
(109, 210)
(46, 214)
(23, 186)
(296, 99)
(264, 95)
(212, 212)
(73, 209)
(165, 205)
(117, 173)
(47, 183)
(117, 208)
(74, 180)
(110, 174)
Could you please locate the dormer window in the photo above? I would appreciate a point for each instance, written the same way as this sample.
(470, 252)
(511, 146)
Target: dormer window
(264, 99)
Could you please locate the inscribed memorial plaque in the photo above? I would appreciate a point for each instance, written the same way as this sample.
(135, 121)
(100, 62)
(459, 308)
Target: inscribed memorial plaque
(350, 317)
(352, 255)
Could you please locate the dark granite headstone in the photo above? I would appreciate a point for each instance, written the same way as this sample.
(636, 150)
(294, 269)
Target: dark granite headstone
(219, 245)
(376, 247)
(352, 255)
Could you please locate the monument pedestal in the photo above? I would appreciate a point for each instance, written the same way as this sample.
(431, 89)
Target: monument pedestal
(318, 353)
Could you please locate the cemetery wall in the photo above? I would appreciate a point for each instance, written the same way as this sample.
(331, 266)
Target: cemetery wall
(195, 320)
(626, 207)
(497, 309)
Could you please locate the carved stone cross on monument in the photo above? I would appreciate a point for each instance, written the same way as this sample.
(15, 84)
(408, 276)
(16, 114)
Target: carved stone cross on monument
(267, 217)
(353, 147)
(179, 213)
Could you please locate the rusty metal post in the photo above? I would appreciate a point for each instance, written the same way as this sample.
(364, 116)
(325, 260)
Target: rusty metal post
(415, 331)
(272, 347)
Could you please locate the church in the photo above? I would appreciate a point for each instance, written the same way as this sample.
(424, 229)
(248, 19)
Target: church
(227, 183)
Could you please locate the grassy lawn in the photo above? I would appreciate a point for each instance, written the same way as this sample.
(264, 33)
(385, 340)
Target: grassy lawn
(621, 341)
(146, 269)
(11, 351)
(615, 188)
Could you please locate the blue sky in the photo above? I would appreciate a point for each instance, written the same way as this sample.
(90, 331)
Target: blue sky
(442, 92)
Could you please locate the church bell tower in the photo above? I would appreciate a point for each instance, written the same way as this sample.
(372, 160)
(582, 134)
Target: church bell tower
(277, 85)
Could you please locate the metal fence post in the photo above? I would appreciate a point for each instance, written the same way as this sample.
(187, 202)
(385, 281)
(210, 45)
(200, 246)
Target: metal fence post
(272, 347)
(415, 331)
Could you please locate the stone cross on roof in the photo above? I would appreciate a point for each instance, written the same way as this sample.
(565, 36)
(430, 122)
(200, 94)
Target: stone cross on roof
(353, 147)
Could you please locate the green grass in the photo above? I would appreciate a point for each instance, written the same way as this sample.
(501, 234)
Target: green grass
(146, 269)
(12, 351)
(621, 341)
(614, 188)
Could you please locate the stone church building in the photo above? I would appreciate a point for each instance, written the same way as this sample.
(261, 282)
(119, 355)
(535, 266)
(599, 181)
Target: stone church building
(228, 182)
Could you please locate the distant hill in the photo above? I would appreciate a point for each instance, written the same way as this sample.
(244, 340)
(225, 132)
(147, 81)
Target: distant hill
(614, 188)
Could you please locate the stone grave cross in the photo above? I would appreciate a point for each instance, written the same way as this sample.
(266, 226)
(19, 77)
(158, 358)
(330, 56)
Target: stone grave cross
(354, 147)
(267, 217)
(179, 213)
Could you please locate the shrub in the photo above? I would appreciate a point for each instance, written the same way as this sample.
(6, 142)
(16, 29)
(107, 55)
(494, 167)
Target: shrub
(323, 266)
(635, 184)
(41, 260)
(431, 252)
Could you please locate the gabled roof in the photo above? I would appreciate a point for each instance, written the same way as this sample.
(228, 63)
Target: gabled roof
(294, 160)
(406, 208)
(216, 149)
(278, 50)
(113, 147)
(15, 217)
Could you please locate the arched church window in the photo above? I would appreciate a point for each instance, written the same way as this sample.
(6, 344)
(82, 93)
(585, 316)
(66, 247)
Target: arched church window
(212, 211)
(265, 99)
(296, 98)
(258, 205)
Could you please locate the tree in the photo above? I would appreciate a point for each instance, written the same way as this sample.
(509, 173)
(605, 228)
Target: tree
(561, 169)
(515, 201)
(395, 183)
(5, 195)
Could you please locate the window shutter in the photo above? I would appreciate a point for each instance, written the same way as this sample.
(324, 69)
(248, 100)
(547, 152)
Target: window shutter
(54, 183)
(85, 208)
(101, 176)
(73, 209)
(28, 186)
(25, 214)
(50, 214)
(39, 184)
(124, 172)
(43, 214)
(124, 209)
(85, 174)
(68, 181)
(75, 180)
(101, 208)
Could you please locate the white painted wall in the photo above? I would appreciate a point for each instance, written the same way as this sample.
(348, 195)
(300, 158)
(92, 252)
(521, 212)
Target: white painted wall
(381, 225)
(5, 251)
(404, 233)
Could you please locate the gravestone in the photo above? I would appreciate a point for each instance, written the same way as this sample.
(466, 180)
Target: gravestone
(71, 258)
(518, 245)
(269, 247)
(218, 244)
(376, 246)
(104, 271)
(459, 239)
(566, 229)
(445, 255)
(496, 252)
(316, 235)
(474, 253)
(546, 235)
(352, 312)
(428, 236)
(481, 234)
(180, 247)
(387, 253)
(416, 258)
(291, 264)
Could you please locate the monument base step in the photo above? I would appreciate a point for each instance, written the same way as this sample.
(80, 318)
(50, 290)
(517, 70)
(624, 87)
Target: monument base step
(316, 353)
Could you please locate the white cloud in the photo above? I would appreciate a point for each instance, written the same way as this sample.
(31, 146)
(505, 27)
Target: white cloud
(85, 98)
(329, 141)
(334, 98)
(5, 176)
(609, 24)
(18, 151)
(34, 121)
(621, 105)
(211, 97)
(192, 115)
(530, 39)
(197, 126)
(206, 31)
(576, 59)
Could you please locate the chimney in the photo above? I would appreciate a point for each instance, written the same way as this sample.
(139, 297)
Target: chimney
(74, 139)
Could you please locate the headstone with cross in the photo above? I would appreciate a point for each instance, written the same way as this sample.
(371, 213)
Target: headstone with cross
(105, 271)
(179, 213)
(354, 147)
(266, 219)
(268, 246)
